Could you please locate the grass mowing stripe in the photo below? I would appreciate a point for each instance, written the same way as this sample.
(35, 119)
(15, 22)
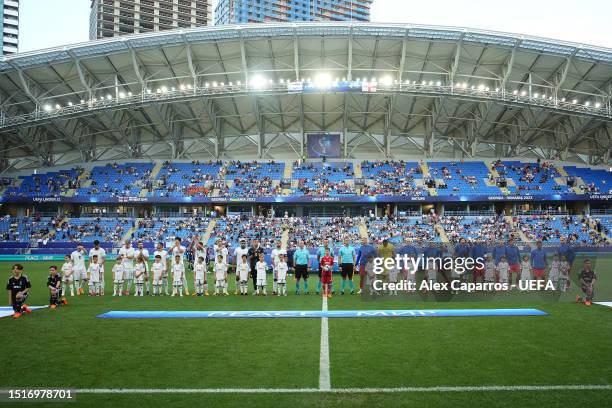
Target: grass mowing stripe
(324, 378)
(437, 389)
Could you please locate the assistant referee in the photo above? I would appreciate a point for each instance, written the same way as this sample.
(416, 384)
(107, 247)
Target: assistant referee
(301, 262)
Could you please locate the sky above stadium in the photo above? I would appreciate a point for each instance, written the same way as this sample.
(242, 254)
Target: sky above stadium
(53, 23)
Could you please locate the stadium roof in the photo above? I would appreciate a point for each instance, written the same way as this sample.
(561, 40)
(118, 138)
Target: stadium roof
(253, 91)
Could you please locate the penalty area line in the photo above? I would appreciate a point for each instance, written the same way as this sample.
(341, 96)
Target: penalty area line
(438, 389)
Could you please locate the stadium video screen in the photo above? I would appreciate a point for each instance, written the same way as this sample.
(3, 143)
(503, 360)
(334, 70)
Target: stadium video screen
(323, 145)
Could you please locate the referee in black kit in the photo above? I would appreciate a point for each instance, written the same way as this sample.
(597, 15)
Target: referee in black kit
(18, 287)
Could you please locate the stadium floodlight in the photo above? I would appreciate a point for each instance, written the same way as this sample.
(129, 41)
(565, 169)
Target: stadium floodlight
(258, 82)
(109, 97)
(214, 84)
(387, 80)
(496, 89)
(222, 84)
(535, 95)
(121, 95)
(423, 83)
(481, 87)
(231, 83)
(130, 93)
(69, 103)
(464, 85)
(282, 80)
(189, 86)
(58, 106)
(587, 103)
(238, 83)
(431, 83)
(343, 79)
(149, 91)
(182, 87)
(515, 92)
(438, 83)
(523, 93)
(164, 89)
(82, 101)
(373, 79)
(206, 85)
(562, 99)
(323, 81)
(575, 101)
(47, 108)
(173, 89)
(598, 105)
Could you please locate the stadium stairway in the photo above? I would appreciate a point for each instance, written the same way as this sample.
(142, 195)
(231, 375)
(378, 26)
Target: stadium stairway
(440, 230)
(130, 232)
(156, 169)
(561, 171)
(518, 231)
(357, 170)
(495, 175)
(579, 182)
(285, 238)
(209, 230)
(425, 169)
(363, 229)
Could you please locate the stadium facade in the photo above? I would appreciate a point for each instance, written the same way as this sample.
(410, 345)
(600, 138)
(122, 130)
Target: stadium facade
(112, 18)
(9, 26)
(263, 11)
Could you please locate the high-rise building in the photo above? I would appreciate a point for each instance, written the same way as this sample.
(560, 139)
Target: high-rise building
(9, 26)
(111, 18)
(263, 11)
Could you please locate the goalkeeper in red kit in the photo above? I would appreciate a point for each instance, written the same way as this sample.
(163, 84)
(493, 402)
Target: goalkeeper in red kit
(327, 266)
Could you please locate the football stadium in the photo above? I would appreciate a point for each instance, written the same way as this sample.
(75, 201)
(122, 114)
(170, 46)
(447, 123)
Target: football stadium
(231, 215)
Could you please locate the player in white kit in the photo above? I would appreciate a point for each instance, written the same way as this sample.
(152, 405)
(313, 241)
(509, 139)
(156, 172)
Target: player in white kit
(221, 249)
(525, 269)
(163, 254)
(128, 253)
(140, 272)
(93, 276)
(179, 250)
(178, 275)
(238, 252)
(281, 275)
(78, 268)
(158, 269)
(260, 267)
(243, 270)
(67, 277)
(554, 273)
(144, 253)
(275, 255)
(101, 253)
(199, 270)
(502, 270)
(118, 276)
(489, 269)
(220, 275)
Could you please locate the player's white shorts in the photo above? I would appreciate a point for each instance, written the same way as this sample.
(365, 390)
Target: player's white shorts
(139, 279)
(118, 280)
(68, 279)
(128, 273)
(79, 274)
(261, 282)
(282, 281)
(220, 283)
(157, 278)
(95, 278)
(393, 275)
(177, 282)
(199, 281)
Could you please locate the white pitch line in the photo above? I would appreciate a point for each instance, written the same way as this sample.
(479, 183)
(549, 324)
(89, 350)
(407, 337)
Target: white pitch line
(324, 376)
(441, 389)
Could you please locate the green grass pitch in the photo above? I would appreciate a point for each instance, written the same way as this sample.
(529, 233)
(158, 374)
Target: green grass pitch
(71, 348)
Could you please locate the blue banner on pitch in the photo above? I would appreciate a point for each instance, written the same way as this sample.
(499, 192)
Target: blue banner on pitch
(259, 314)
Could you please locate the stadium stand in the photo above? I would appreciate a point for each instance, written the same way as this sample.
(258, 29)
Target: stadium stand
(180, 179)
(113, 180)
(253, 179)
(323, 179)
(393, 177)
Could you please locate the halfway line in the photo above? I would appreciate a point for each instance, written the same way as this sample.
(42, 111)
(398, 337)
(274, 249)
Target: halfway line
(324, 376)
